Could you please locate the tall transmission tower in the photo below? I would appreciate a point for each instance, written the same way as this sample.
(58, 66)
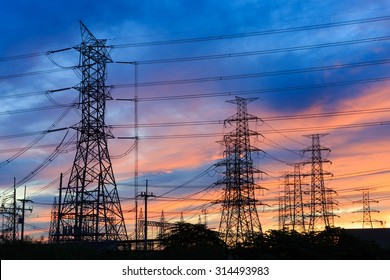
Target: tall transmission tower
(91, 210)
(320, 203)
(366, 201)
(239, 220)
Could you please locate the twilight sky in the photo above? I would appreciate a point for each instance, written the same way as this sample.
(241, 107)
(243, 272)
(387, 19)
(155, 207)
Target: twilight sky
(315, 67)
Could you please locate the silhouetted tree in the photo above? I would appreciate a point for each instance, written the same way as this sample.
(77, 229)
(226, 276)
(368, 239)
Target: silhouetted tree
(195, 241)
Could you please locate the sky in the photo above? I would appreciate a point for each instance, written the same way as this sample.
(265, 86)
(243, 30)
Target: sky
(314, 67)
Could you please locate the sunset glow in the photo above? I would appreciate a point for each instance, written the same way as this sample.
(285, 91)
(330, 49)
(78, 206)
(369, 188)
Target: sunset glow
(314, 67)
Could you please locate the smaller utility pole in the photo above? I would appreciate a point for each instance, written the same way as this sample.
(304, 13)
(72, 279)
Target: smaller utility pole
(57, 235)
(14, 214)
(146, 195)
(24, 200)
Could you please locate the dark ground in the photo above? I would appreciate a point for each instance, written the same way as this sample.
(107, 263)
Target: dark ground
(332, 244)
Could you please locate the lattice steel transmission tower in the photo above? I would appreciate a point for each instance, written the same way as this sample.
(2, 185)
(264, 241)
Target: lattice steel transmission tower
(321, 203)
(239, 220)
(53, 234)
(291, 207)
(10, 214)
(91, 210)
(366, 201)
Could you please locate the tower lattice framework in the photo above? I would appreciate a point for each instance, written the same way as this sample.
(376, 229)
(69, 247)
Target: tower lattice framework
(291, 208)
(91, 210)
(321, 203)
(367, 210)
(239, 220)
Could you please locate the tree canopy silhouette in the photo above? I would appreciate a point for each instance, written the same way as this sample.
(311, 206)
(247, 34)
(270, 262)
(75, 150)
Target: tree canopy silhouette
(186, 235)
(185, 240)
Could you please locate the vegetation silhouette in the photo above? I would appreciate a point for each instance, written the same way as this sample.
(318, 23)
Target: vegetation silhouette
(193, 241)
(196, 241)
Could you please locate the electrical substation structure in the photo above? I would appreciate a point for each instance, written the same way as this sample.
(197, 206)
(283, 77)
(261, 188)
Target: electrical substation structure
(239, 219)
(90, 210)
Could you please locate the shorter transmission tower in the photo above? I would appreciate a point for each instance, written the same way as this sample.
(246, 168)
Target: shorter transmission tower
(10, 215)
(291, 202)
(366, 210)
(239, 220)
(321, 202)
(53, 233)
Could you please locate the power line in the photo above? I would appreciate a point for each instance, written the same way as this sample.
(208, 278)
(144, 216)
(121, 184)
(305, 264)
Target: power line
(34, 93)
(40, 72)
(31, 55)
(258, 52)
(268, 131)
(255, 91)
(251, 34)
(36, 140)
(257, 75)
(218, 37)
(264, 119)
(213, 94)
(286, 130)
(43, 108)
(62, 146)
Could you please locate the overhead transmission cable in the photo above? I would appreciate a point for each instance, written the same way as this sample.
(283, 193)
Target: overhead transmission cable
(36, 140)
(257, 75)
(217, 37)
(255, 91)
(257, 52)
(31, 55)
(254, 33)
(270, 131)
(265, 119)
(59, 149)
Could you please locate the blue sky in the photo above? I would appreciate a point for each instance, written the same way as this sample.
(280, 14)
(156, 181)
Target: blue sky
(31, 27)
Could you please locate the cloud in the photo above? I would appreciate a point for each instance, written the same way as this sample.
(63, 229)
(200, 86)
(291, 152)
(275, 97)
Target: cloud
(360, 152)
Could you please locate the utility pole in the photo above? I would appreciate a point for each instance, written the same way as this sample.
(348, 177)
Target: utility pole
(24, 200)
(146, 195)
(59, 211)
(91, 209)
(239, 220)
(14, 214)
(136, 148)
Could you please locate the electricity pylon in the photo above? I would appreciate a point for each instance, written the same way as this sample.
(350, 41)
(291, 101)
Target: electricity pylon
(291, 208)
(366, 201)
(53, 234)
(239, 220)
(10, 215)
(320, 204)
(91, 210)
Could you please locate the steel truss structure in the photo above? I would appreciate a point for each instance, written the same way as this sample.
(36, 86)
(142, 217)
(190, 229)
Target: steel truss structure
(321, 200)
(91, 209)
(239, 220)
